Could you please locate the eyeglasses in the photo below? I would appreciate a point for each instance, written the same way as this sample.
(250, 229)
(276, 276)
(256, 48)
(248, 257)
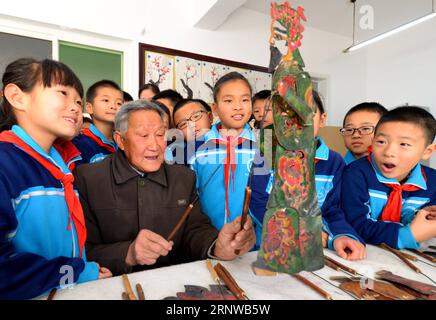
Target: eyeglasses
(194, 118)
(363, 131)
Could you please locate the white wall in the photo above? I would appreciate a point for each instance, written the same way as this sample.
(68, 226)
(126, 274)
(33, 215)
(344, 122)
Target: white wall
(402, 69)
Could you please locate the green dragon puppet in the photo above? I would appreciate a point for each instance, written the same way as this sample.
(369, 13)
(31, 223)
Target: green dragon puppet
(291, 234)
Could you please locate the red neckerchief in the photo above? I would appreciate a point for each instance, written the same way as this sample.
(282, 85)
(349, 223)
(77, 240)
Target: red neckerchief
(90, 134)
(229, 163)
(392, 210)
(68, 151)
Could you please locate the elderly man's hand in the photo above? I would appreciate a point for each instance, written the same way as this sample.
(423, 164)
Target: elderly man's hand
(147, 248)
(232, 237)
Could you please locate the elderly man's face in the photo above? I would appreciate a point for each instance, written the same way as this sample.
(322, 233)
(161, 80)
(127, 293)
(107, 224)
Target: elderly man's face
(144, 142)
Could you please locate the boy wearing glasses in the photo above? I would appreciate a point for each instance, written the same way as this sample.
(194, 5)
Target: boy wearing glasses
(388, 196)
(358, 129)
(192, 118)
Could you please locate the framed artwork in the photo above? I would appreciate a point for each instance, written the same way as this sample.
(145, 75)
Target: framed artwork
(193, 75)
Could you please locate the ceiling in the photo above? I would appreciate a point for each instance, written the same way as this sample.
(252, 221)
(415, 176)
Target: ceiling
(336, 16)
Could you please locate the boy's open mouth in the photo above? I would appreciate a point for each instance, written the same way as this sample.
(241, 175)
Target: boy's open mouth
(388, 167)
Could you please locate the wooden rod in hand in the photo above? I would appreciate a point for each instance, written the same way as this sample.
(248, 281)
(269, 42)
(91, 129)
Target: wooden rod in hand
(182, 219)
(247, 198)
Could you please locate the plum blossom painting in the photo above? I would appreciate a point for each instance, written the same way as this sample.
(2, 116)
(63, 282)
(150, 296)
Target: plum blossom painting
(193, 75)
(160, 69)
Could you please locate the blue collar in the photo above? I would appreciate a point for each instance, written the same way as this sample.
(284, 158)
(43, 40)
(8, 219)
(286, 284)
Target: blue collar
(349, 157)
(415, 177)
(213, 133)
(100, 135)
(322, 152)
(53, 156)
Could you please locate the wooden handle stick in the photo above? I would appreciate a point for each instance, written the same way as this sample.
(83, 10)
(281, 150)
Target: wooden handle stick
(341, 266)
(330, 264)
(140, 292)
(244, 215)
(230, 282)
(215, 277)
(52, 294)
(128, 287)
(423, 255)
(407, 262)
(313, 286)
(182, 219)
(406, 255)
(212, 271)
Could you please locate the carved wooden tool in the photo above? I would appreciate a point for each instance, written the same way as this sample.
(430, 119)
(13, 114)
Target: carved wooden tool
(140, 292)
(330, 264)
(247, 198)
(230, 282)
(52, 294)
(310, 284)
(215, 277)
(423, 255)
(405, 254)
(190, 207)
(182, 218)
(407, 262)
(128, 288)
(341, 266)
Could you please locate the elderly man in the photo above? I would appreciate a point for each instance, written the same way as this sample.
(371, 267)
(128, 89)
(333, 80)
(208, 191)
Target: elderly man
(133, 199)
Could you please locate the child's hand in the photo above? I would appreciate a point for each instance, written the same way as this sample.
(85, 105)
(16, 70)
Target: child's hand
(349, 249)
(104, 273)
(422, 227)
(325, 238)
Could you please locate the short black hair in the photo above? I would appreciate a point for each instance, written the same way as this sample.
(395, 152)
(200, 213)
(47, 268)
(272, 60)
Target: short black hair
(231, 76)
(366, 106)
(127, 97)
(26, 73)
(184, 102)
(318, 101)
(150, 86)
(205, 105)
(164, 108)
(261, 95)
(92, 90)
(170, 94)
(414, 115)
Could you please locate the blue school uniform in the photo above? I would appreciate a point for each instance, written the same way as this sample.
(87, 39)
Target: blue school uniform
(208, 163)
(328, 172)
(91, 151)
(348, 158)
(37, 249)
(364, 196)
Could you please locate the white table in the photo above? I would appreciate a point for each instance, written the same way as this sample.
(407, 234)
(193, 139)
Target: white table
(164, 282)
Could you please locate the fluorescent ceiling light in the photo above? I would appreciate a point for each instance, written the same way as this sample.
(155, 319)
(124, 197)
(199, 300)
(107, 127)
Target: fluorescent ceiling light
(389, 33)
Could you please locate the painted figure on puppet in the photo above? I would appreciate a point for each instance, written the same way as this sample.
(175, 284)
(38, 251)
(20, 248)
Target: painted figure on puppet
(291, 235)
